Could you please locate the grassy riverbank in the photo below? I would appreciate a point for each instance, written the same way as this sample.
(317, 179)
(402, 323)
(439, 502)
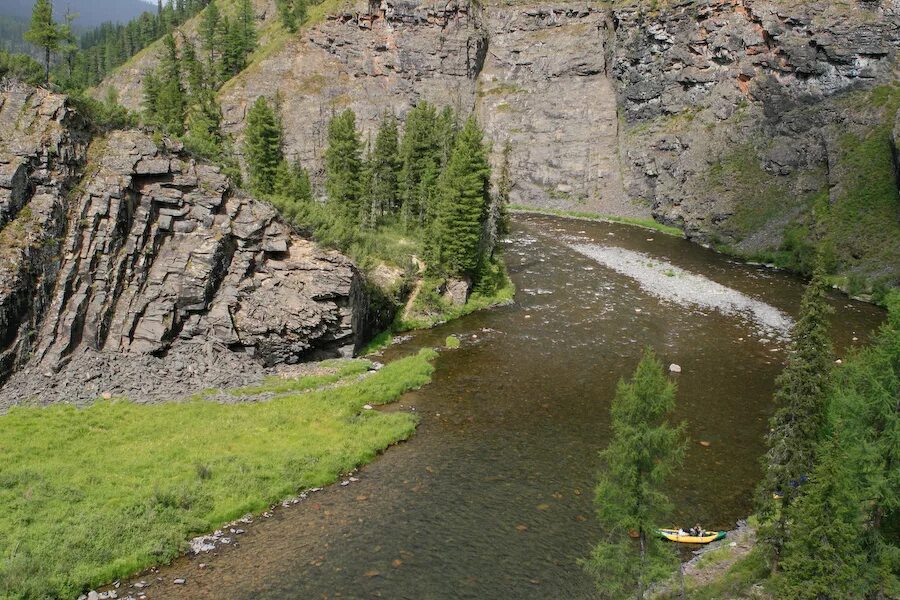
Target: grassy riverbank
(91, 495)
(645, 223)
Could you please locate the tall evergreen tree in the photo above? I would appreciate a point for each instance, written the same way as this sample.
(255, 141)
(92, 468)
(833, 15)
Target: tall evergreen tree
(844, 541)
(343, 166)
(496, 223)
(446, 128)
(262, 146)
(463, 197)
(504, 190)
(796, 429)
(170, 107)
(247, 22)
(824, 558)
(382, 190)
(420, 157)
(210, 24)
(44, 32)
(643, 452)
(286, 14)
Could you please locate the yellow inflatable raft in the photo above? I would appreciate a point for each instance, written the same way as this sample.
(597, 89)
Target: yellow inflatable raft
(685, 538)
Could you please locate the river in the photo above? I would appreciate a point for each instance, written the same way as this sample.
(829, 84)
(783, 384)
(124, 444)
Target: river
(492, 496)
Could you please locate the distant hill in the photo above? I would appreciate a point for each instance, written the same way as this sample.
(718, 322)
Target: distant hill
(90, 12)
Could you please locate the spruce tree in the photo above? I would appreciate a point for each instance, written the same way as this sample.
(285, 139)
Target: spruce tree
(247, 21)
(44, 33)
(287, 14)
(343, 166)
(866, 407)
(796, 428)
(171, 102)
(262, 146)
(496, 224)
(824, 558)
(209, 34)
(384, 164)
(643, 452)
(504, 190)
(446, 128)
(420, 157)
(463, 197)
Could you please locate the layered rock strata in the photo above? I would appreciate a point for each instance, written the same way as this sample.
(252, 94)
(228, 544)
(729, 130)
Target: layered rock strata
(142, 250)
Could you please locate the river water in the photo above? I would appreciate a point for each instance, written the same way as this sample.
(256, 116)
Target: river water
(492, 496)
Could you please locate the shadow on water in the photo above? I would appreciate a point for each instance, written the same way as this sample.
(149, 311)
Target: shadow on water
(492, 496)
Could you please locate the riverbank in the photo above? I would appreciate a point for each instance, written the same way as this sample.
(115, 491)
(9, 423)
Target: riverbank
(730, 568)
(94, 494)
(598, 218)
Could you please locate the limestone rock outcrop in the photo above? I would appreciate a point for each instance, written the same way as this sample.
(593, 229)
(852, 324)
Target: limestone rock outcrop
(129, 248)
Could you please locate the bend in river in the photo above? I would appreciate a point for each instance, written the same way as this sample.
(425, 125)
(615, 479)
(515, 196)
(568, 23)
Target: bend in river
(492, 496)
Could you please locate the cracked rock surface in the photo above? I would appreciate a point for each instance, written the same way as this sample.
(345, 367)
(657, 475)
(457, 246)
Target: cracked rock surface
(152, 255)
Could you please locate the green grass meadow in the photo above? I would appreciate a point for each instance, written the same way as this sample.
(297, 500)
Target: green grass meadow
(90, 495)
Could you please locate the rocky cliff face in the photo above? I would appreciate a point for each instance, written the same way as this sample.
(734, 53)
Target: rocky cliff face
(746, 120)
(756, 125)
(130, 249)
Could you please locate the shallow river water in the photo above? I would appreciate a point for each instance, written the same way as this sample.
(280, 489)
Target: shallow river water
(492, 496)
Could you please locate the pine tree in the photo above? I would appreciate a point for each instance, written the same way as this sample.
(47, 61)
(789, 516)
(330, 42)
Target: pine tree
(463, 196)
(496, 223)
(292, 181)
(504, 190)
(446, 129)
(866, 406)
(643, 452)
(287, 15)
(262, 146)
(233, 57)
(247, 21)
(796, 429)
(203, 136)
(44, 33)
(209, 33)
(300, 11)
(420, 157)
(195, 75)
(382, 190)
(824, 557)
(170, 106)
(343, 166)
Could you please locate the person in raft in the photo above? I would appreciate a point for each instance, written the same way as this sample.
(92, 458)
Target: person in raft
(696, 530)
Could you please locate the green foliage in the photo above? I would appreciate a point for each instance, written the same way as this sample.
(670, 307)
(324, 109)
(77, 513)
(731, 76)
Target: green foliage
(292, 13)
(643, 452)
(452, 342)
(420, 158)
(500, 207)
(104, 48)
(262, 146)
(90, 495)
(382, 193)
(106, 115)
(797, 426)
(44, 32)
(824, 557)
(844, 539)
(21, 67)
(343, 167)
(463, 197)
